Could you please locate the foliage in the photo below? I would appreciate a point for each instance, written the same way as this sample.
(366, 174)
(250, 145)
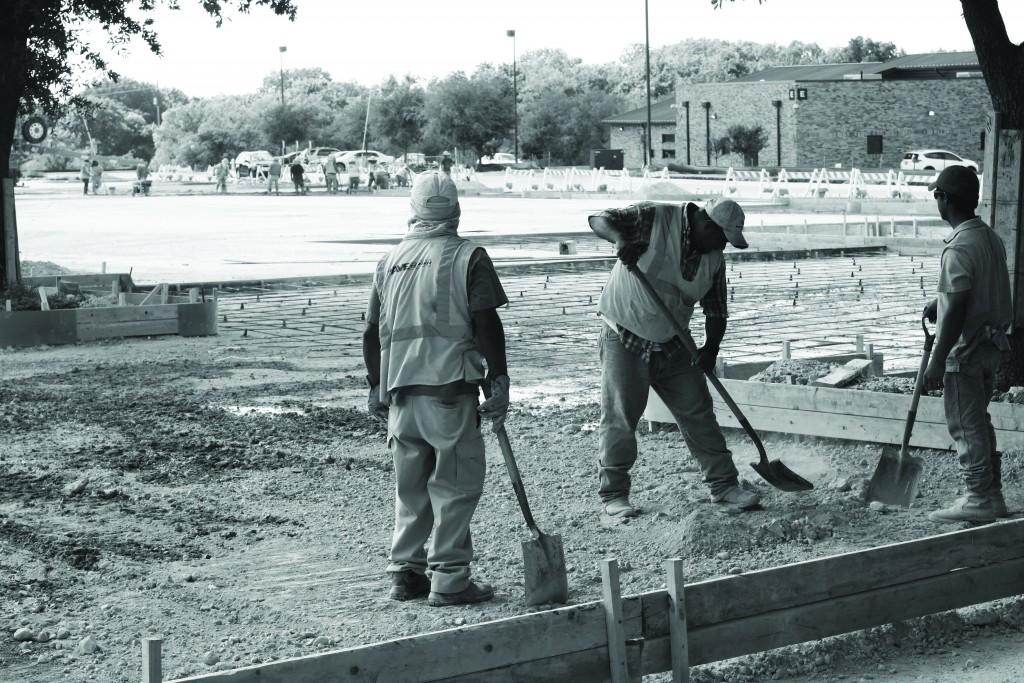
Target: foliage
(861, 49)
(401, 118)
(203, 131)
(471, 112)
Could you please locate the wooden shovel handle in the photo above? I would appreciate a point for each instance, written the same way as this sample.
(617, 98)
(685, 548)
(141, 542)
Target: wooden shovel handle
(513, 470)
(908, 429)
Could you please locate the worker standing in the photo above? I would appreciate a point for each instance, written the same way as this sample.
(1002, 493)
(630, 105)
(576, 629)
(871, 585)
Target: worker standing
(274, 176)
(432, 325)
(221, 174)
(83, 175)
(96, 176)
(679, 247)
(331, 174)
(972, 313)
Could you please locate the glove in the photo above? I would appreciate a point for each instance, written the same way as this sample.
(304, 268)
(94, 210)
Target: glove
(705, 359)
(630, 252)
(931, 310)
(495, 408)
(375, 406)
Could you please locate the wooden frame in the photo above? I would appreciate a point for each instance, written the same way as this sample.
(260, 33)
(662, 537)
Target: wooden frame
(723, 618)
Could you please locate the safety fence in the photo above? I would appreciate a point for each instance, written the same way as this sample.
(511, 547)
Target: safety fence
(621, 639)
(578, 180)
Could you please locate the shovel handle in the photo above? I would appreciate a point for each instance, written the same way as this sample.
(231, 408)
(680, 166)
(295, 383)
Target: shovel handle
(691, 347)
(513, 470)
(908, 430)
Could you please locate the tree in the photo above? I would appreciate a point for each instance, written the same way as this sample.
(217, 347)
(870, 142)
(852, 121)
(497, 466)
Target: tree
(861, 49)
(400, 117)
(472, 112)
(37, 37)
(747, 141)
(204, 131)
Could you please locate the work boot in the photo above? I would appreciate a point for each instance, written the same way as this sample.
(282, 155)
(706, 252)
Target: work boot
(970, 508)
(620, 507)
(408, 585)
(735, 496)
(473, 593)
(998, 504)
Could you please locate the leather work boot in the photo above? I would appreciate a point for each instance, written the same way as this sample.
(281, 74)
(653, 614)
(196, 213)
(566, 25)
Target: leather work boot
(970, 508)
(408, 585)
(737, 497)
(474, 592)
(998, 504)
(620, 507)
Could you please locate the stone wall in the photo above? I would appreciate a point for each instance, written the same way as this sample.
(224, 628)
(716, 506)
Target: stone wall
(630, 139)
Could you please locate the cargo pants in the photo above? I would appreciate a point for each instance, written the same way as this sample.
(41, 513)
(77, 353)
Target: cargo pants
(439, 461)
(966, 395)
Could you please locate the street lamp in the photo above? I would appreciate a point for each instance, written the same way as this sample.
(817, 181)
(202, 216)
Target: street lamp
(511, 33)
(281, 50)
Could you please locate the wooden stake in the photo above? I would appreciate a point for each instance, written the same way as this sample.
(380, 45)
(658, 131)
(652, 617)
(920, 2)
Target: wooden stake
(44, 302)
(677, 621)
(612, 598)
(151, 664)
(786, 355)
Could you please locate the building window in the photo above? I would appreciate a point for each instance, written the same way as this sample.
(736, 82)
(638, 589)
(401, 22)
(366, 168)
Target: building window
(668, 138)
(668, 154)
(874, 144)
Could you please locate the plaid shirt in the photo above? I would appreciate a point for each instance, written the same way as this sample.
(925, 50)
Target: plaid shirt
(634, 223)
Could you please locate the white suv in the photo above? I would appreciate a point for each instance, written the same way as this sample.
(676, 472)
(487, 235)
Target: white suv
(934, 160)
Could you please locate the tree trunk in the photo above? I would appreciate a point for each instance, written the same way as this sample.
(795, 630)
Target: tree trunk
(13, 55)
(1002, 63)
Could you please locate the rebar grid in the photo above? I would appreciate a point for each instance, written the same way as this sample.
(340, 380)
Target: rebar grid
(820, 305)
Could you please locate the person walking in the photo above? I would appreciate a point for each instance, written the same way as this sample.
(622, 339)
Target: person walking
(679, 247)
(432, 327)
(83, 175)
(96, 176)
(142, 182)
(221, 173)
(330, 167)
(297, 172)
(446, 163)
(274, 176)
(371, 174)
(353, 176)
(972, 313)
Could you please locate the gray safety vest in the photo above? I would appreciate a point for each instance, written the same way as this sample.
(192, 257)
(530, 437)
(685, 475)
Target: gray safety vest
(426, 332)
(625, 302)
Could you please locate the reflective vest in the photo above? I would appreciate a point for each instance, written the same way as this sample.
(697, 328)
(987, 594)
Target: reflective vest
(426, 332)
(625, 302)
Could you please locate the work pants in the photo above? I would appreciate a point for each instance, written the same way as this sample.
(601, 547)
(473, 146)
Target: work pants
(273, 185)
(222, 185)
(966, 396)
(439, 475)
(85, 186)
(332, 183)
(625, 382)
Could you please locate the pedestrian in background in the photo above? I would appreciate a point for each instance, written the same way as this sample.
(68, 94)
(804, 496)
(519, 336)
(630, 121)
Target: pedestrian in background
(297, 173)
(83, 175)
(353, 176)
(96, 176)
(432, 325)
(972, 313)
(679, 248)
(330, 167)
(221, 173)
(446, 163)
(371, 174)
(274, 176)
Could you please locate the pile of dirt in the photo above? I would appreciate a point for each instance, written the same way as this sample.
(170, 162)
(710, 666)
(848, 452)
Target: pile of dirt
(801, 371)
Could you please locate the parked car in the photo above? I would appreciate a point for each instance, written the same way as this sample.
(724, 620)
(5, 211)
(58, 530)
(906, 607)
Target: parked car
(250, 163)
(934, 160)
(498, 159)
(361, 156)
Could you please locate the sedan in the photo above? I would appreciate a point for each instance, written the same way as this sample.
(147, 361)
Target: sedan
(934, 160)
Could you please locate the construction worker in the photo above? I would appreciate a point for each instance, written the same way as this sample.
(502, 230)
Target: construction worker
(331, 174)
(972, 313)
(679, 248)
(220, 172)
(274, 176)
(432, 325)
(96, 176)
(83, 175)
(446, 162)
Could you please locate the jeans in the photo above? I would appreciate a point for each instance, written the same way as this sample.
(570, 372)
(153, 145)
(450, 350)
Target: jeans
(625, 382)
(966, 396)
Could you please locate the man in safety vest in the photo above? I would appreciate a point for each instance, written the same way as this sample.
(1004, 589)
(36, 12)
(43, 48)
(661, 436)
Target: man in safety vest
(432, 326)
(679, 248)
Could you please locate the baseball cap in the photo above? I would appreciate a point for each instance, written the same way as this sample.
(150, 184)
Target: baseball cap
(729, 216)
(434, 197)
(957, 181)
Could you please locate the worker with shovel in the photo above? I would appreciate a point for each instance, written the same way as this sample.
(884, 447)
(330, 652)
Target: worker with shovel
(972, 313)
(679, 248)
(432, 323)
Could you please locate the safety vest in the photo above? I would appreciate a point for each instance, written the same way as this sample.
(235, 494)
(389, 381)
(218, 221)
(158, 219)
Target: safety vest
(426, 333)
(625, 302)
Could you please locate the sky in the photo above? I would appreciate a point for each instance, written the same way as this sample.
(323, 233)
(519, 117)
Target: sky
(368, 40)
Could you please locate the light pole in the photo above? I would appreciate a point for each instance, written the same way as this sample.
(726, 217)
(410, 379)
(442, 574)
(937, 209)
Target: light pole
(281, 50)
(647, 70)
(511, 33)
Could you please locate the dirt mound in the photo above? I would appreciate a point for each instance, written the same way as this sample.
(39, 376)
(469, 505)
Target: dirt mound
(802, 371)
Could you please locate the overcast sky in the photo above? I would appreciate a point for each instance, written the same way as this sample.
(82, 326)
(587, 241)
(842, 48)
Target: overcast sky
(367, 40)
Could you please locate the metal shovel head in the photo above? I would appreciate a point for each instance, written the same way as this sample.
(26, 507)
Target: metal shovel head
(781, 477)
(544, 567)
(895, 479)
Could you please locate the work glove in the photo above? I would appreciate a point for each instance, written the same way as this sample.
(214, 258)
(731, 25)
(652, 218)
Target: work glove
(931, 310)
(630, 252)
(375, 406)
(705, 358)
(495, 408)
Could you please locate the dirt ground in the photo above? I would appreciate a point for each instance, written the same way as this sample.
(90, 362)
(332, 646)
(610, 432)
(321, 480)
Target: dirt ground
(239, 504)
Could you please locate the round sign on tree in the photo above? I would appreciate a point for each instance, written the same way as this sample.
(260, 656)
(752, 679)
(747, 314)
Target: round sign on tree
(34, 129)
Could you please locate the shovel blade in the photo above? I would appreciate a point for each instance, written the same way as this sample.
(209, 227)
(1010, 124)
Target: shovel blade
(544, 564)
(781, 477)
(896, 478)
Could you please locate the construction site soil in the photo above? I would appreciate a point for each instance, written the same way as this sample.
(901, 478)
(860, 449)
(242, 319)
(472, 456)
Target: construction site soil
(239, 504)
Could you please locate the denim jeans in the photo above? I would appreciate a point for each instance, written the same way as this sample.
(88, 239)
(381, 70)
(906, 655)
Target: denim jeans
(966, 396)
(625, 381)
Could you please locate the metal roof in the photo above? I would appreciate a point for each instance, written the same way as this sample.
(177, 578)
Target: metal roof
(661, 112)
(933, 60)
(811, 72)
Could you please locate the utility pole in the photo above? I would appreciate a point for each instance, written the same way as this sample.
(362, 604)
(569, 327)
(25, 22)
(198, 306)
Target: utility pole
(647, 57)
(511, 33)
(281, 50)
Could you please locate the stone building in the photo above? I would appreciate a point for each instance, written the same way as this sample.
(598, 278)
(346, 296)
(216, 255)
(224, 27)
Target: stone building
(628, 132)
(865, 115)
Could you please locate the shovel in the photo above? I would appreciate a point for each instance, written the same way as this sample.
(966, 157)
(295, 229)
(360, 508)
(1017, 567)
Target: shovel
(898, 473)
(772, 471)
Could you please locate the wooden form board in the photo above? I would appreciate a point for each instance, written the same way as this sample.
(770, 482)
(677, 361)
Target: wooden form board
(870, 416)
(725, 618)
